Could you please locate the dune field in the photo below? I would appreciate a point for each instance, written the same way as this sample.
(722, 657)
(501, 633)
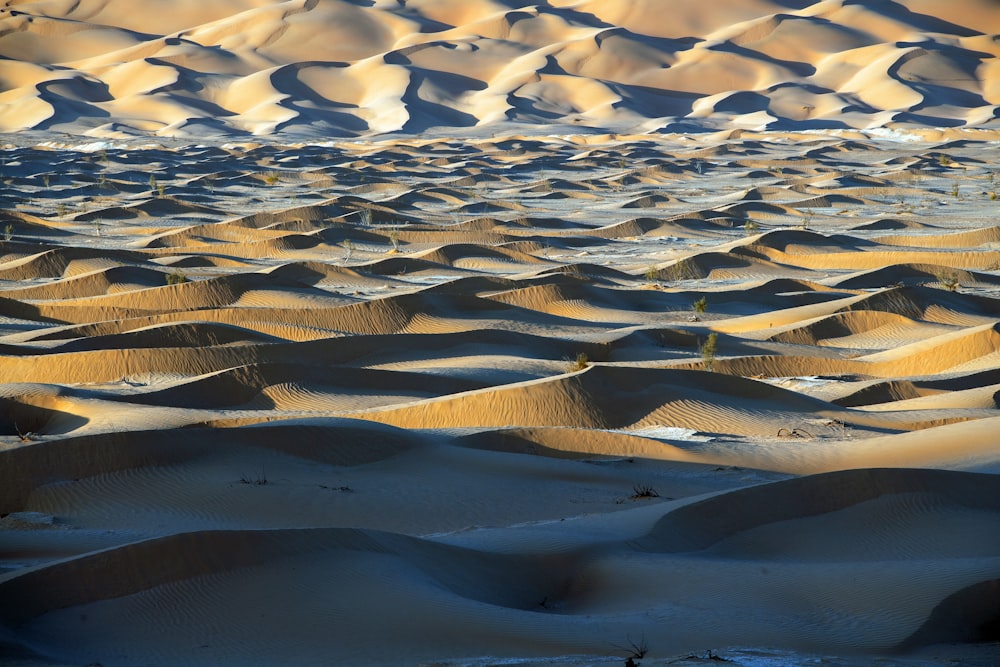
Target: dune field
(488, 333)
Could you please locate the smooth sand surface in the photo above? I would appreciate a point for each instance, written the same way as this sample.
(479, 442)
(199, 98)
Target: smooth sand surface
(675, 341)
(185, 68)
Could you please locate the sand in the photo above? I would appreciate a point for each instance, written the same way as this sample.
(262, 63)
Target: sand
(482, 333)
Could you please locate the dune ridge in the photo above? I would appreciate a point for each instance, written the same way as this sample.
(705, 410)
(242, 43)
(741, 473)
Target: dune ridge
(338, 68)
(446, 332)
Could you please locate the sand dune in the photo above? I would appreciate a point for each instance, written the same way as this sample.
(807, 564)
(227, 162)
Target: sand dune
(339, 68)
(437, 332)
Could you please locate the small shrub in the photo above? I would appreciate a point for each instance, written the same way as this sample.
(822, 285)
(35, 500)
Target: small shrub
(582, 361)
(176, 278)
(394, 240)
(954, 189)
(700, 306)
(271, 178)
(709, 349)
(348, 249)
(8, 232)
(807, 217)
(751, 227)
(949, 281)
(652, 274)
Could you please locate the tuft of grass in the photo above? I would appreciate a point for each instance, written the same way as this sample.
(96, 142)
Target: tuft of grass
(683, 269)
(700, 306)
(751, 227)
(708, 351)
(176, 278)
(394, 240)
(271, 178)
(643, 491)
(8, 232)
(348, 249)
(652, 274)
(23, 436)
(954, 189)
(582, 361)
(256, 480)
(636, 651)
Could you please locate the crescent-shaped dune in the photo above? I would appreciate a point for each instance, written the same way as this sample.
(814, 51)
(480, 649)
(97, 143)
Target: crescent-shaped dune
(489, 332)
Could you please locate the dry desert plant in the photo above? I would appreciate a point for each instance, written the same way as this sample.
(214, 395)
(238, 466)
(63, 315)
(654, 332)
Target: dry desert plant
(176, 278)
(708, 351)
(949, 281)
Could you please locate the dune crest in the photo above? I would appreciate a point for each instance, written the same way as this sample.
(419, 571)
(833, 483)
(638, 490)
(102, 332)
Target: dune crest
(339, 68)
(481, 332)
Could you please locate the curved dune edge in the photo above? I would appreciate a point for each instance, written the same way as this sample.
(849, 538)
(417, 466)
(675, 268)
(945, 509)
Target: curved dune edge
(561, 594)
(374, 383)
(340, 69)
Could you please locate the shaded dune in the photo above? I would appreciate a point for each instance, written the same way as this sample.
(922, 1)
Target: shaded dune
(342, 442)
(110, 365)
(703, 524)
(501, 580)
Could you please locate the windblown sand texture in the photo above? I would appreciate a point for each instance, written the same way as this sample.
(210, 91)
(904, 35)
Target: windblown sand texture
(427, 400)
(190, 68)
(356, 432)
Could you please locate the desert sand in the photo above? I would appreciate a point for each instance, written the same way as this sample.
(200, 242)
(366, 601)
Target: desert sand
(484, 333)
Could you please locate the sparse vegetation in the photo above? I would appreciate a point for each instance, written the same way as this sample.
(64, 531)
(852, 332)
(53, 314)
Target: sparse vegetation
(700, 306)
(751, 227)
(582, 361)
(807, 217)
(366, 216)
(643, 491)
(394, 240)
(954, 189)
(8, 232)
(348, 249)
(636, 651)
(652, 274)
(176, 278)
(794, 433)
(271, 178)
(257, 480)
(23, 436)
(944, 160)
(683, 269)
(708, 351)
(949, 281)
